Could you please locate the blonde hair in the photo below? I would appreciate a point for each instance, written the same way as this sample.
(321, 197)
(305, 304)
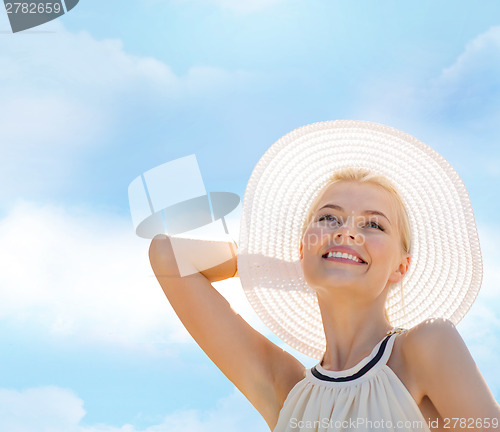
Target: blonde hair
(364, 176)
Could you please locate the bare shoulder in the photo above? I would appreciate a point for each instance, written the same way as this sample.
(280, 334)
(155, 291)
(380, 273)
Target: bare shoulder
(431, 343)
(432, 337)
(420, 348)
(440, 365)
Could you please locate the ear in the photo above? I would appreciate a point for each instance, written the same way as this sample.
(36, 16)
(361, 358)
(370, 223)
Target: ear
(401, 270)
(300, 251)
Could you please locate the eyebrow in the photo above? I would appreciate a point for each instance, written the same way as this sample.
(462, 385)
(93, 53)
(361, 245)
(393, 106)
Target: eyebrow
(374, 212)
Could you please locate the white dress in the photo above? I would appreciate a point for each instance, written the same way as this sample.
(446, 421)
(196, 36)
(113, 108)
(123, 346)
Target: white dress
(366, 397)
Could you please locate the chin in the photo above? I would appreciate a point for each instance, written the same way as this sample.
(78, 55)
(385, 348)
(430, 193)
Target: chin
(320, 282)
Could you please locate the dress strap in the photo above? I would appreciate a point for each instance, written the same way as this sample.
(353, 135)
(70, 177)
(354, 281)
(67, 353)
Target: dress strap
(380, 355)
(390, 344)
(397, 330)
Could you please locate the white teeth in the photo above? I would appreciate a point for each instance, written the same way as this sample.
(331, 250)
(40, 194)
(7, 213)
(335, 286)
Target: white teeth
(343, 255)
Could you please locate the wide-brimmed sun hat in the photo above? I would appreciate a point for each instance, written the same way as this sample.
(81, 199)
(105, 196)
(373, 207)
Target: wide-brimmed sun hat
(446, 270)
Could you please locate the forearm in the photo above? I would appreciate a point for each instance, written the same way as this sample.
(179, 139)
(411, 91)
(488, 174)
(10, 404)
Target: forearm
(180, 257)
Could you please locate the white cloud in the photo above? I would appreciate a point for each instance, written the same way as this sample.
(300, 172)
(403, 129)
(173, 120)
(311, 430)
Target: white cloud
(463, 96)
(63, 94)
(456, 112)
(72, 272)
(76, 63)
(480, 328)
(470, 87)
(53, 409)
(481, 57)
(231, 413)
(42, 409)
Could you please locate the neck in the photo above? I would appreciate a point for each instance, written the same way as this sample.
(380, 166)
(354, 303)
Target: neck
(352, 329)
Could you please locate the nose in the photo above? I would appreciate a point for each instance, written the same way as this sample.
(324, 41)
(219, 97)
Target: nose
(339, 234)
(348, 229)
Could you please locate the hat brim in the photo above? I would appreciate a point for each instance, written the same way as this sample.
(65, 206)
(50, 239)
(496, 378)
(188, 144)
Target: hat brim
(446, 270)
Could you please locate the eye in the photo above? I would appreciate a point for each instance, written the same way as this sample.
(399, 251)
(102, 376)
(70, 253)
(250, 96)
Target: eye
(327, 217)
(376, 224)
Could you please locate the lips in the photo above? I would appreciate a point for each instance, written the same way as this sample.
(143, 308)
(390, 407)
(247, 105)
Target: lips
(344, 249)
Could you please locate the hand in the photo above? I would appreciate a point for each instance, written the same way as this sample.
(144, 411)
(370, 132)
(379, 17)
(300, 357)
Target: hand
(180, 257)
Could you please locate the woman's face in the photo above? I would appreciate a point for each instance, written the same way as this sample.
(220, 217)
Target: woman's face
(344, 218)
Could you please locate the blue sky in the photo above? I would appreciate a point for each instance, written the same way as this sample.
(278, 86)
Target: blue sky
(89, 343)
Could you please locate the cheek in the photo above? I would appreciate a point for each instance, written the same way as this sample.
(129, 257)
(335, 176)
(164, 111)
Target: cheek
(313, 238)
(375, 241)
(380, 245)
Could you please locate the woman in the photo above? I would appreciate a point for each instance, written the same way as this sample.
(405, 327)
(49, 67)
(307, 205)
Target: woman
(335, 216)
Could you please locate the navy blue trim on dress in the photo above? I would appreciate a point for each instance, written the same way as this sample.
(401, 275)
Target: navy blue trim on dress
(359, 373)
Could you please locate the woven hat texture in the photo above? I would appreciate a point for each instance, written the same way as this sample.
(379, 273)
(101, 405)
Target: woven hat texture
(445, 274)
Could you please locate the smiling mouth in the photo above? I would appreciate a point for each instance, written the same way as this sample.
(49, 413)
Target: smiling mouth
(343, 257)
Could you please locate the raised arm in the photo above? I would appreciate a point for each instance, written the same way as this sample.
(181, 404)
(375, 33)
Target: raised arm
(244, 355)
